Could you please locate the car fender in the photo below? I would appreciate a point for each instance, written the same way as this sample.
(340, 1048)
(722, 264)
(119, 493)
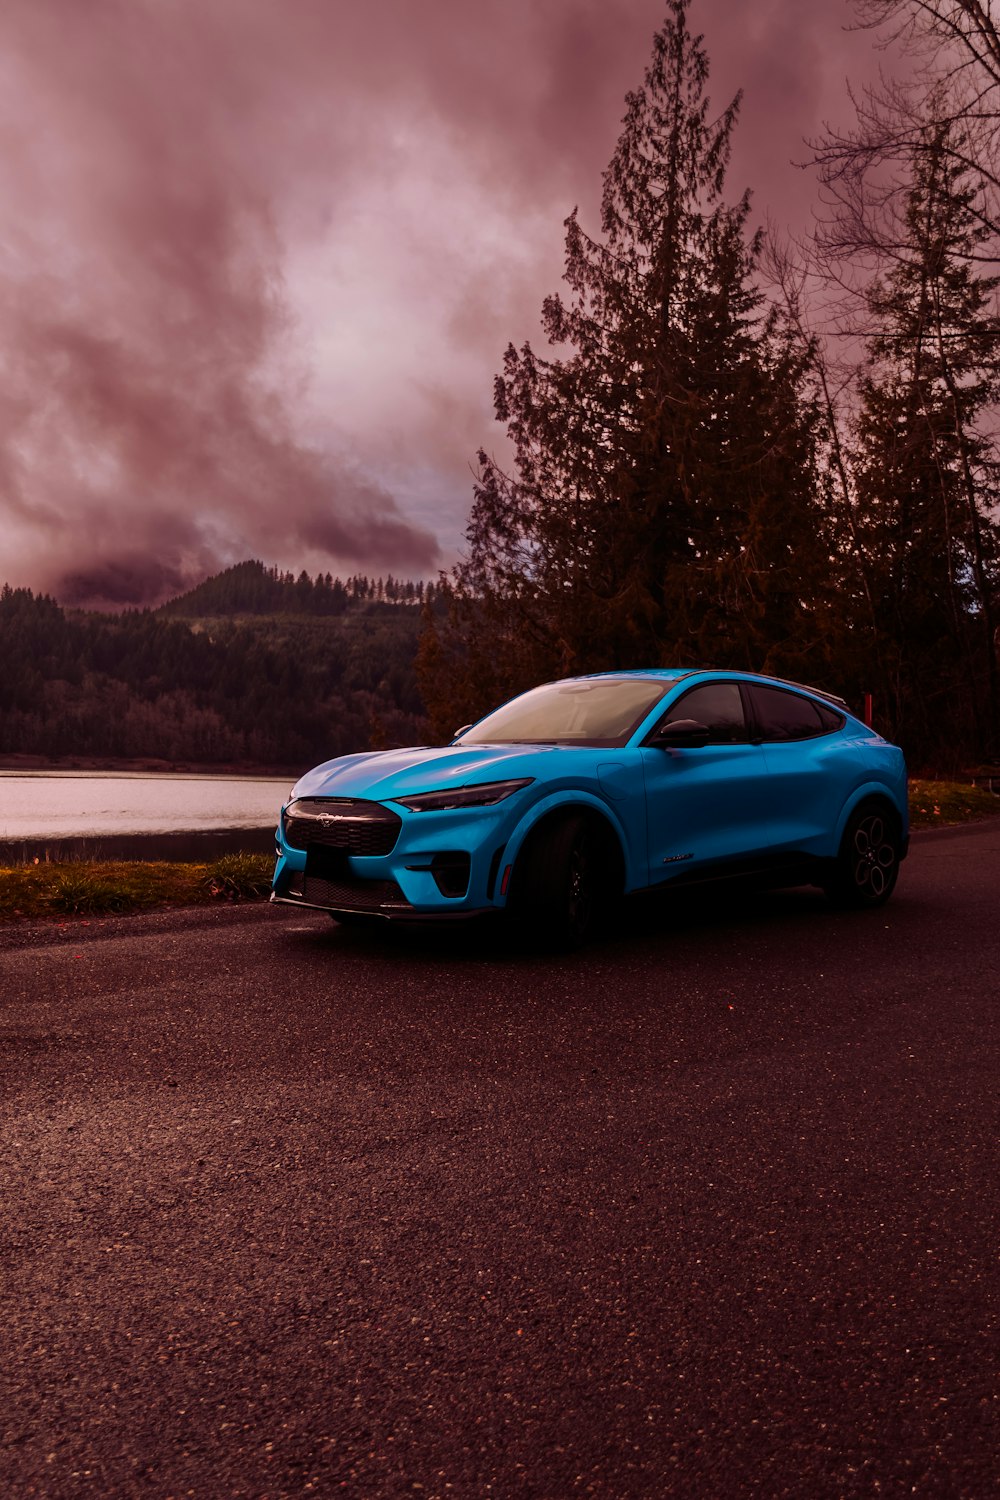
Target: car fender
(570, 798)
(860, 794)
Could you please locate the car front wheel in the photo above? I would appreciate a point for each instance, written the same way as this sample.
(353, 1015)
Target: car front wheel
(559, 882)
(865, 871)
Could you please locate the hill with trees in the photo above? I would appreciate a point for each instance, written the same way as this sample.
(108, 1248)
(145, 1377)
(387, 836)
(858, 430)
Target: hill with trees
(252, 668)
(250, 588)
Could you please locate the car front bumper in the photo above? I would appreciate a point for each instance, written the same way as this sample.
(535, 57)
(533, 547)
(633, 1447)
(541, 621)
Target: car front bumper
(442, 864)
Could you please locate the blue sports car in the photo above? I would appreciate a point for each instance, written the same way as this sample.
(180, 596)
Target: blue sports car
(580, 791)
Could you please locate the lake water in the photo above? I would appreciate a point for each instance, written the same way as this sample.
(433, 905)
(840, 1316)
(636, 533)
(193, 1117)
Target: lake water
(96, 804)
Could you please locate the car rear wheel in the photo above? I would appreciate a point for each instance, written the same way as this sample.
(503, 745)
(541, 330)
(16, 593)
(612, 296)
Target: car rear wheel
(561, 881)
(865, 871)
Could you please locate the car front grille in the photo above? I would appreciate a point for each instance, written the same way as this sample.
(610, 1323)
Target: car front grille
(354, 826)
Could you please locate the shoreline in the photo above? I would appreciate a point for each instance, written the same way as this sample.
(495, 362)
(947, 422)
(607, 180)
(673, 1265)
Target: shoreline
(181, 846)
(148, 765)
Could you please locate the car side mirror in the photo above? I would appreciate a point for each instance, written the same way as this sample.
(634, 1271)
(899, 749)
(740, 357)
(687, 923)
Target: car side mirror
(459, 732)
(681, 734)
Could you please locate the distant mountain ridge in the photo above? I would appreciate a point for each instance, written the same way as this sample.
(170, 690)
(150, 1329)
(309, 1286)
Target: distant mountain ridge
(252, 588)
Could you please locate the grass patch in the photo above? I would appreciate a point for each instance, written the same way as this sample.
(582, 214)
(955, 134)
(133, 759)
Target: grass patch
(116, 887)
(936, 802)
(240, 877)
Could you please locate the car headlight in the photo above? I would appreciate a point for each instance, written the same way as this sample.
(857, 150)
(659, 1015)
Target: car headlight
(484, 795)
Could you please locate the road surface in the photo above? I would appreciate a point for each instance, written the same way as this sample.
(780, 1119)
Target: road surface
(709, 1210)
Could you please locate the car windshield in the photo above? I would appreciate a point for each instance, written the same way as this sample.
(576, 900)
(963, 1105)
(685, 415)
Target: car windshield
(580, 711)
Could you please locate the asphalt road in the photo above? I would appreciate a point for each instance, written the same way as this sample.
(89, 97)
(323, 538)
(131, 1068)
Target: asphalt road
(710, 1210)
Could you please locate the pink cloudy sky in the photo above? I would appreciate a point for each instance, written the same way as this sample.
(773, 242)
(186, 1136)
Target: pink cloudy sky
(261, 258)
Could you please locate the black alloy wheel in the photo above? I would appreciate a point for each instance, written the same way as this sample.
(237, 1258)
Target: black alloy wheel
(865, 871)
(559, 881)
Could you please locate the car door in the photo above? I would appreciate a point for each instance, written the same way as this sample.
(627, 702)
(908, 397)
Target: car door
(704, 804)
(811, 769)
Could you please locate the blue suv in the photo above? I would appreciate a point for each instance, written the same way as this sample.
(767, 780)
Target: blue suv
(586, 789)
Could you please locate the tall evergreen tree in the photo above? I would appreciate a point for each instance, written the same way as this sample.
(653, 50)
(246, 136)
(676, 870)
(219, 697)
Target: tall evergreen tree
(662, 504)
(926, 475)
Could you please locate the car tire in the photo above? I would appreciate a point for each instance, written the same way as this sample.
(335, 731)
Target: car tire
(560, 881)
(864, 873)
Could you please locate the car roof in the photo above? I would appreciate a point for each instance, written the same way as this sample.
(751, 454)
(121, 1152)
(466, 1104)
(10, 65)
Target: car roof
(668, 672)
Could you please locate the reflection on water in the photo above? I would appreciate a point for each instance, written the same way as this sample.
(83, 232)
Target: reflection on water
(95, 804)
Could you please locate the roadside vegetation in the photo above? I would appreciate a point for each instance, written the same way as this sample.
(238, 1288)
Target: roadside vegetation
(101, 888)
(89, 888)
(934, 803)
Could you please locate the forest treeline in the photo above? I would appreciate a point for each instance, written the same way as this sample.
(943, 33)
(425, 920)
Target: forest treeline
(746, 454)
(286, 689)
(251, 588)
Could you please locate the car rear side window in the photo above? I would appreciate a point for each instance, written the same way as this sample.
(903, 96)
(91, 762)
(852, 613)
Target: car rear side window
(717, 705)
(785, 716)
(829, 717)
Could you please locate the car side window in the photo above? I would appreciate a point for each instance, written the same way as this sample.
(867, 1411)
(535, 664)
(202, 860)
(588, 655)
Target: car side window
(829, 717)
(785, 716)
(719, 706)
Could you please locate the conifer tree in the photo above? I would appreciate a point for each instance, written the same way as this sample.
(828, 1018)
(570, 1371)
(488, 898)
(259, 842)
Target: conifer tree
(925, 472)
(662, 507)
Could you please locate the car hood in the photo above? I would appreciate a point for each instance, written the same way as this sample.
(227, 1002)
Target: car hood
(385, 774)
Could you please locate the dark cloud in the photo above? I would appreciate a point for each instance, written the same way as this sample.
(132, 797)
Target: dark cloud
(260, 260)
(121, 580)
(397, 544)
